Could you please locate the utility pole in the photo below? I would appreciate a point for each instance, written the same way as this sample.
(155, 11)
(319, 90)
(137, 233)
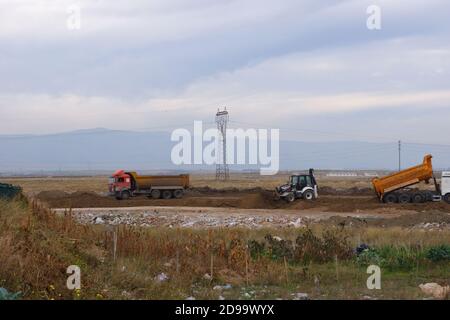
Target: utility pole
(399, 155)
(222, 170)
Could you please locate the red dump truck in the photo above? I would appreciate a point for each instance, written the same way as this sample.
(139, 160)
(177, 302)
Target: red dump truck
(124, 185)
(396, 187)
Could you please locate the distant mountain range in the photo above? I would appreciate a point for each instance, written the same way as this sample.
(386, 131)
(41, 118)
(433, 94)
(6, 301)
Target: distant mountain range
(103, 149)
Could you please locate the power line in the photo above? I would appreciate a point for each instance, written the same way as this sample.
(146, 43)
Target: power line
(334, 133)
(428, 144)
(331, 133)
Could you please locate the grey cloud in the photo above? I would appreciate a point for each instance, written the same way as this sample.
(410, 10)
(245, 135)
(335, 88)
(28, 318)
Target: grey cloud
(128, 54)
(154, 62)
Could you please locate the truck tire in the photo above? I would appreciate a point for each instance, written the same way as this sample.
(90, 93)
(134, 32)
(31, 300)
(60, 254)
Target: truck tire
(156, 194)
(290, 197)
(418, 198)
(390, 198)
(167, 194)
(428, 196)
(125, 195)
(308, 195)
(404, 198)
(178, 194)
(447, 198)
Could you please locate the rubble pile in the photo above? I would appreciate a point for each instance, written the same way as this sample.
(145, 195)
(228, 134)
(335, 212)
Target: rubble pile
(153, 218)
(430, 226)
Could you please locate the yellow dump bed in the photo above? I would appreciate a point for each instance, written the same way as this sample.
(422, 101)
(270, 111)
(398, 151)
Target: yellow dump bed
(404, 178)
(148, 182)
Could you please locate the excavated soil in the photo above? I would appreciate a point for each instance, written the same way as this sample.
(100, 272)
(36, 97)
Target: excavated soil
(329, 201)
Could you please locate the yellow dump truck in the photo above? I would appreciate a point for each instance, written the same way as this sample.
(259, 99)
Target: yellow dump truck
(395, 187)
(124, 185)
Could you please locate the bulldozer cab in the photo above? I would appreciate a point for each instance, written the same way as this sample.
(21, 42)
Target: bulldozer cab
(302, 181)
(299, 186)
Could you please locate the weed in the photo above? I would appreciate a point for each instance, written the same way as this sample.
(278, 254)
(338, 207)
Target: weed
(36, 247)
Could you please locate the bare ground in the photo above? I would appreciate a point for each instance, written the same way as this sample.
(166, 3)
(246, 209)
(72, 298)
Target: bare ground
(243, 199)
(253, 208)
(247, 200)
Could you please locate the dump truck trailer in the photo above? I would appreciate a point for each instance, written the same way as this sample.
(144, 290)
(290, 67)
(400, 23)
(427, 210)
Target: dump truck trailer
(124, 185)
(397, 187)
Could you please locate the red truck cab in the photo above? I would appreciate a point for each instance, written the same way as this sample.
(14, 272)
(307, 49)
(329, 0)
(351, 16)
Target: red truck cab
(119, 181)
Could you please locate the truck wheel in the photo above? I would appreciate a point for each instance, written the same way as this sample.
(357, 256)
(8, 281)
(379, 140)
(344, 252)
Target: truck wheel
(125, 195)
(167, 194)
(428, 196)
(404, 198)
(418, 198)
(390, 198)
(156, 194)
(290, 197)
(447, 198)
(178, 194)
(308, 195)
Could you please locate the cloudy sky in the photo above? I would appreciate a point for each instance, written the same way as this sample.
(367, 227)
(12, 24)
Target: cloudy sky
(309, 67)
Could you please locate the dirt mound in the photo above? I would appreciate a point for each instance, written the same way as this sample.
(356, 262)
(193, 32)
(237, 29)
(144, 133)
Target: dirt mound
(411, 220)
(255, 199)
(50, 195)
(355, 191)
(259, 200)
(72, 200)
(347, 221)
(208, 190)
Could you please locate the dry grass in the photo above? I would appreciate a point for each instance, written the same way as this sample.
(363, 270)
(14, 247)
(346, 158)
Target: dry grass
(37, 247)
(241, 181)
(67, 184)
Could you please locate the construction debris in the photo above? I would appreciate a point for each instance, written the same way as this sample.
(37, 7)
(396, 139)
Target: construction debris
(435, 290)
(162, 277)
(155, 219)
(224, 287)
(300, 296)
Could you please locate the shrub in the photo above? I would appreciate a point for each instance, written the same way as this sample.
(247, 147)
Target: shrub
(368, 257)
(400, 257)
(308, 247)
(438, 253)
(333, 243)
(280, 248)
(391, 257)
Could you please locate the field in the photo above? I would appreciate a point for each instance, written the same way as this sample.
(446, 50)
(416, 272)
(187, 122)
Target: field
(228, 240)
(238, 180)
